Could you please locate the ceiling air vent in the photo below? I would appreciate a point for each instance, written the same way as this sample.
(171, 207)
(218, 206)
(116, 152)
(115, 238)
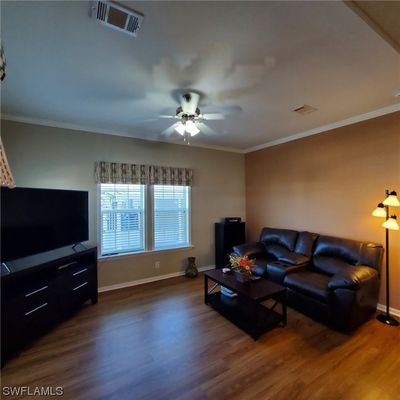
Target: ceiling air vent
(117, 17)
(304, 109)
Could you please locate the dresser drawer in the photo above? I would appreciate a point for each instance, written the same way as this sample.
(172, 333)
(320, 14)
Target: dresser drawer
(35, 296)
(76, 284)
(39, 317)
(74, 271)
(29, 294)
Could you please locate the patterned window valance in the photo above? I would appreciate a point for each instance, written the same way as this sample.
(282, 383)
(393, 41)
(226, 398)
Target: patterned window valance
(3, 62)
(6, 177)
(140, 174)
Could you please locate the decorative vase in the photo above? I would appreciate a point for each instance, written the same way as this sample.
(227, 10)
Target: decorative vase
(241, 277)
(191, 269)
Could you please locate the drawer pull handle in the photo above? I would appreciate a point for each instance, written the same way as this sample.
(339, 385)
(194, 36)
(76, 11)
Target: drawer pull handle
(78, 287)
(79, 272)
(36, 309)
(36, 291)
(67, 265)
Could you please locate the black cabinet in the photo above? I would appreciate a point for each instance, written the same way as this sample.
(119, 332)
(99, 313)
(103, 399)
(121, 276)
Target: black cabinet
(227, 235)
(39, 291)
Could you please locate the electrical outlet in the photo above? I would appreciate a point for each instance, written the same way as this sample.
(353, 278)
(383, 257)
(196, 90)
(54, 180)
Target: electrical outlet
(157, 265)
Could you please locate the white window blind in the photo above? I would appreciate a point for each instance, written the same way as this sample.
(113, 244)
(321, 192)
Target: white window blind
(122, 218)
(170, 216)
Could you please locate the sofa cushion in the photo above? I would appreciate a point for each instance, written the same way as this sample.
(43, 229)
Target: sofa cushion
(332, 255)
(309, 283)
(275, 251)
(345, 249)
(294, 259)
(305, 243)
(283, 237)
(276, 270)
(250, 249)
(330, 265)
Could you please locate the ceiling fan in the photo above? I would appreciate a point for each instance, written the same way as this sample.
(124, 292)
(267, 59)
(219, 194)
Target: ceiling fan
(190, 119)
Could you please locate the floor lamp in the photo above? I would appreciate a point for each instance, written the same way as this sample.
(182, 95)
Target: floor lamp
(382, 211)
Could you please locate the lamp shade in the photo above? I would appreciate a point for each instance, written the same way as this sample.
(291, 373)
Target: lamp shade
(380, 211)
(391, 223)
(392, 200)
(191, 128)
(180, 129)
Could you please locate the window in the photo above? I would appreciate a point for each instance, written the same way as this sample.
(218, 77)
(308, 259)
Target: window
(126, 217)
(122, 218)
(171, 216)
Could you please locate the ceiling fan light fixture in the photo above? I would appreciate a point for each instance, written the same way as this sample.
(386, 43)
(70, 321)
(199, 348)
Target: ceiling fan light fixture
(180, 128)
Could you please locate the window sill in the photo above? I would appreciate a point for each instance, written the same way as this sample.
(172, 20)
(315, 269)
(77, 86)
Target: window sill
(144, 252)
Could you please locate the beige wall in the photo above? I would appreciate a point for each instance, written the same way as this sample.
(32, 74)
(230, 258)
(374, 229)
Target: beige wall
(48, 157)
(329, 183)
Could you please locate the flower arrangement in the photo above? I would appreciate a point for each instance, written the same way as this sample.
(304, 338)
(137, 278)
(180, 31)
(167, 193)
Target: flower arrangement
(242, 264)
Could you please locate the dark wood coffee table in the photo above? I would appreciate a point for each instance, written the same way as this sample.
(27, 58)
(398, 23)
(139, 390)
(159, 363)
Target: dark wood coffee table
(246, 310)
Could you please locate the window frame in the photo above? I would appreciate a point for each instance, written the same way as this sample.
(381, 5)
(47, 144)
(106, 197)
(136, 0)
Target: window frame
(100, 224)
(189, 224)
(148, 225)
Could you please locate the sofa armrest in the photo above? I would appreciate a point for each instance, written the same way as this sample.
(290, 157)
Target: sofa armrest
(249, 249)
(277, 270)
(352, 277)
(294, 259)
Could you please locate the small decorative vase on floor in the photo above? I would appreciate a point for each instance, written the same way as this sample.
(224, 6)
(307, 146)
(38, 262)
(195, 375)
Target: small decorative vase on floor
(191, 269)
(242, 278)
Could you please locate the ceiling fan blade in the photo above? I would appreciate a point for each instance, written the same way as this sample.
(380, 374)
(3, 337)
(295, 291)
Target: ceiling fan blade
(170, 130)
(231, 109)
(205, 129)
(166, 116)
(143, 119)
(213, 116)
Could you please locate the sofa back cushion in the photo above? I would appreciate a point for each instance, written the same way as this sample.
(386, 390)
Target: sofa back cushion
(330, 265)
(305, 243)
(272, 238)
(332, 255)
(276, 251)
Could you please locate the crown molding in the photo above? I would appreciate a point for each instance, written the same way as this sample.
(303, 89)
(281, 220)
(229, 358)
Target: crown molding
(348, 121)
(76, 127)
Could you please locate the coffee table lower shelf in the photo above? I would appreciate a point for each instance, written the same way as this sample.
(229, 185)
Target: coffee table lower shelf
(253, 318)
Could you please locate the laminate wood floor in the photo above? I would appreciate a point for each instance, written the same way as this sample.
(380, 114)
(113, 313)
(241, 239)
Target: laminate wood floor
(159, 341)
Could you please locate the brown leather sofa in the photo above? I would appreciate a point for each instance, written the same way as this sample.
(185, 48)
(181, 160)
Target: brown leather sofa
(332, 280)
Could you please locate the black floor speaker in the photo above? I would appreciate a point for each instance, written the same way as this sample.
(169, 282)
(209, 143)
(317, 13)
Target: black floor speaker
(227, 235)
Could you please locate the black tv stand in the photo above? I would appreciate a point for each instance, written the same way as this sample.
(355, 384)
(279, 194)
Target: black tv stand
(39, 291)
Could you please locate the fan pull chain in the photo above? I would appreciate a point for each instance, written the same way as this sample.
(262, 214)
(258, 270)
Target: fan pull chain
(186, 138)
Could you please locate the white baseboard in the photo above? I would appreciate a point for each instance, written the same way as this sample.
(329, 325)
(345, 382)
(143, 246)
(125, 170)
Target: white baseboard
(148, 280)
(393, 311)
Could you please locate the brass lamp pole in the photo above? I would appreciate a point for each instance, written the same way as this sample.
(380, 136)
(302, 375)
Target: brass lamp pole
(382, 211)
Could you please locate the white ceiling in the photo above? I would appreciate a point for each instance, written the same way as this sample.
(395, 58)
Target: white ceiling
(265, 57)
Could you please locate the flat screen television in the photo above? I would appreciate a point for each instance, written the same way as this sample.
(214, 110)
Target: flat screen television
(38, 220)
